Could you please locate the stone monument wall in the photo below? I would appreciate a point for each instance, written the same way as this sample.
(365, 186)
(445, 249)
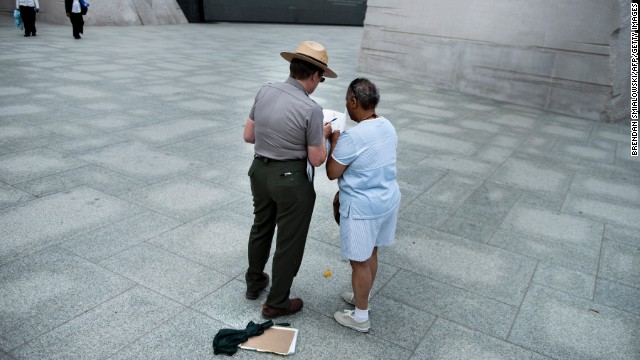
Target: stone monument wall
(111, 12)
(568, 56)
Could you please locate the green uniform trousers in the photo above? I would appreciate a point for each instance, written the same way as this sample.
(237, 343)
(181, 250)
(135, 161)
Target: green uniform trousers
(282, 196)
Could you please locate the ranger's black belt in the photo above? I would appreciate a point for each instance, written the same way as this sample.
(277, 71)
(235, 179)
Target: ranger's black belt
(267, 160)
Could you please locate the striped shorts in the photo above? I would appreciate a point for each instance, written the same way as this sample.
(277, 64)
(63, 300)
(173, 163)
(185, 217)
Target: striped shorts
(358, 237)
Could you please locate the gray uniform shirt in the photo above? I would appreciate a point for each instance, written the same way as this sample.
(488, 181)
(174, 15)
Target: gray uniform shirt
(286, 121)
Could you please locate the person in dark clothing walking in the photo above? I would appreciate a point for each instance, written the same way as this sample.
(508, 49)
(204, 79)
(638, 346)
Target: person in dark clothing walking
(28, 10)
(75, 9)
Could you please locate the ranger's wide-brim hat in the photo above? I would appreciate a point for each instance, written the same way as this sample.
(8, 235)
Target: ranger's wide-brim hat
(311, 52)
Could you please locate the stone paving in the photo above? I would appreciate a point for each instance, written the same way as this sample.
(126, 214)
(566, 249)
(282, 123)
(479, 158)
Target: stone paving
(125, 208)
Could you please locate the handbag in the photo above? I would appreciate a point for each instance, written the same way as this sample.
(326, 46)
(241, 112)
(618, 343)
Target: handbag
(18, 19)
(84, 7)
(336, 207)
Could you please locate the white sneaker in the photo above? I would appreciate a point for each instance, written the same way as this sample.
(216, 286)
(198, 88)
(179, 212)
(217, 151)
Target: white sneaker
(346, 318)
(349, 297)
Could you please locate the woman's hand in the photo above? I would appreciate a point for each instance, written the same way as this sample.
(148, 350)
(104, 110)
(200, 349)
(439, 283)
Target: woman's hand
(333, 138)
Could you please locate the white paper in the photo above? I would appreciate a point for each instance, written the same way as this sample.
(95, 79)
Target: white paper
(311, 171)
(338, 119)
(292, 347)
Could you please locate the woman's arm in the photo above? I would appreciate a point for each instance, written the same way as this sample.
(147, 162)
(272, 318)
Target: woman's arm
(334, 168)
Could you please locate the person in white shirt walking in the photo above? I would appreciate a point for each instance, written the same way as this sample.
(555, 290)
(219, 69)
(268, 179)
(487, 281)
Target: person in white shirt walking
(75, 9)
(28, 10)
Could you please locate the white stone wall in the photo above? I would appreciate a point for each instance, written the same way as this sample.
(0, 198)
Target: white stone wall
(562, 56)
(111, 12)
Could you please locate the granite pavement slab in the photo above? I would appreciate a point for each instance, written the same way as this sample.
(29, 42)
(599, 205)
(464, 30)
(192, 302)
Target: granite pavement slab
(113, 121)
(471, 309)
(621, 262)
(99, 178)
(10, 196)
(617, 295)
(57, 216)
(614, 189)
(219, 139)
(532, 174)
(493, 153)
(474, 222)
(561, 238)
(425, 215)
(418, 177)
(449, 192)
(340, 342)
(140, 161)
(47, 289)
(177, 278)
(498, 274)
(228, 305)
(106, 241)
(399, 323)
(437, 142)
(170, 131)
(447, 340)
(218, 241)
(105, 329)
(561, 326)
(35, 163)
(20, 137)
(573, 282)
(622, 234)
(183, 336)
(183, 198)
(80, 145)
(605, 210)
(461, 164)
(580, 150)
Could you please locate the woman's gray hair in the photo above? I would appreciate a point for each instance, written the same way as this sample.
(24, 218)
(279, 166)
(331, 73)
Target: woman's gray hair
(365, 92)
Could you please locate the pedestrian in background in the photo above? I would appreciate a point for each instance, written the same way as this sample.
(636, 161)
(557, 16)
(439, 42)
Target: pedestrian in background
(363, 159)
(287, 128)
(28, 10)
(75, 9)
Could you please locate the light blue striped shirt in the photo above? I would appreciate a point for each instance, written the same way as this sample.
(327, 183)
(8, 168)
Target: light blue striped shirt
(368, 187)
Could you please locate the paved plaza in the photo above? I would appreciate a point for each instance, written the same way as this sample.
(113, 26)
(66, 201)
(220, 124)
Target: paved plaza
(125, 208)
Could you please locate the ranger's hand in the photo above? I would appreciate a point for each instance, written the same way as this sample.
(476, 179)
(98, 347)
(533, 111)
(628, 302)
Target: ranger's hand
(326, 130)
